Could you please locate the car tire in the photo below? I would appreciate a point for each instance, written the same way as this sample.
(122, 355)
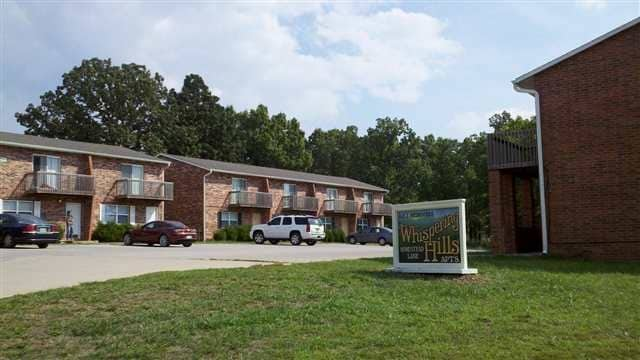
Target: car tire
(186, 244)
(295, 239)
(164, 241)
(382, 241)
(311, 242)
(274, 241)
(43, 246)
(149, 244)
(352, 240)
(126, 240)
(258, 237)
(363, 243)
(7, 242)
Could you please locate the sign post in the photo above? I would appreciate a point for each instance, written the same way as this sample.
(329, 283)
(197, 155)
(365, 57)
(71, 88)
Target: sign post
(430, 237)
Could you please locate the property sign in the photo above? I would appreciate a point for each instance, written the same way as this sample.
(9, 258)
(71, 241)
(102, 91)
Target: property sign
(430, 237)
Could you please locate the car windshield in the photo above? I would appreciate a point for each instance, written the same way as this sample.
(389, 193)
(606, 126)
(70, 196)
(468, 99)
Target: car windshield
(176, 224)
(30, 219)
(314, 221)
(386, 229)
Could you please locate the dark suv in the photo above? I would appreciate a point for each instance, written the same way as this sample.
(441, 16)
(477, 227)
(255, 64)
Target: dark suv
(26, 229)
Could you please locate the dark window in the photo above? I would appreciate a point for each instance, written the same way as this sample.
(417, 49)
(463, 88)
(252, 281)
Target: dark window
(151, 225)
(30, 219)
(286, 221)
(314, 221)
(5, 219)
(175, 224)
(301, 221)
(275, 221)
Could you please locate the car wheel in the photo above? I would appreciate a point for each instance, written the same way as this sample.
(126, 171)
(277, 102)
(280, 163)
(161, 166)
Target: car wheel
(164, 241)
(311, 242)
(126, 240)
(274, 241)
(43, 246)
(149, 244)
(363, 243)
(352, 240)
(382, 241)
(186, 244)
(7, 242)
(295, 239)
(258, 237)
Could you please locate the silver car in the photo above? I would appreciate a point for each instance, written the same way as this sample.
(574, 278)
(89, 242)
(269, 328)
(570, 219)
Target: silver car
(381, 235)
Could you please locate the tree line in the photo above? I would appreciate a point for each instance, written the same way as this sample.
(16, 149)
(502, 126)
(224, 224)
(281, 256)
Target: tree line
(128, 105)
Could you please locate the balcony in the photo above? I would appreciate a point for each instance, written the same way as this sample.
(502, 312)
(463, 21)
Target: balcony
(341, 206)
(144, 189)
(377, 209)
(512, 149)
(58, 183)
(251, 199)
(300, 203)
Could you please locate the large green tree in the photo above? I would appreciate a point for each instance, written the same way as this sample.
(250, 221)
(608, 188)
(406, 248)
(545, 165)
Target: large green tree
(336, 152)
(100, 102)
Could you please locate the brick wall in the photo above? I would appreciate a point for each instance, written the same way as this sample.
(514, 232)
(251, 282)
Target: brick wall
(590, 105)
(187, 189)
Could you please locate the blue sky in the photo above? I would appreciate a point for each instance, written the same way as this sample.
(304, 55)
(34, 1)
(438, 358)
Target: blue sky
(443, 66)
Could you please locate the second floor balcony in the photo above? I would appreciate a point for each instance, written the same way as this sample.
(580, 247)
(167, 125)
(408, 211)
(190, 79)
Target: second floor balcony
(341, 206)
(58, 183)
(252, 199)
(300, 203)
(512, 149)
(144, 189)
(375, 208)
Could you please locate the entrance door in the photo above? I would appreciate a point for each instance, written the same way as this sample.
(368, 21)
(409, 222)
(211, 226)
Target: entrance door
(151, 214)
(76, 211)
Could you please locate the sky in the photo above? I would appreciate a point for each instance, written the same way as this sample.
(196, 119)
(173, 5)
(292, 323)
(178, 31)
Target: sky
(444, 66)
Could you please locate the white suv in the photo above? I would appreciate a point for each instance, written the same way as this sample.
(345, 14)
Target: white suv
(296, 228)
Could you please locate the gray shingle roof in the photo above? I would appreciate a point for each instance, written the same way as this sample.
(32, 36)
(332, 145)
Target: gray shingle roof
(77, 147)
(273, 173)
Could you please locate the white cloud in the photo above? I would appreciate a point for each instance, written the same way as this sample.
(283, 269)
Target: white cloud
(252, 54)
(592, 4)
(466, 123)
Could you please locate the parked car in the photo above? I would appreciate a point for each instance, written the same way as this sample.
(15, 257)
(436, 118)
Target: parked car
(296, 228)
(164, 233)
(381, 235)
(26, 229)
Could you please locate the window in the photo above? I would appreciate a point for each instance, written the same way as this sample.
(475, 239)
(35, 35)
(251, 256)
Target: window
(375, 230)
(368, 199)
(151, 225)
(48, 168)
(332, 194)
(363, 224)
(275, 221)
(228, 218)
(327, 222)
(238, 184)
(17, 207)
(118, 214)
(289, 191)
(135, 175)
(286, 221)
(301, 220)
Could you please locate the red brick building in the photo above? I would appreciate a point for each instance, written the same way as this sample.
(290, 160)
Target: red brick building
(48, 177)
(584, 156)
(213, 194)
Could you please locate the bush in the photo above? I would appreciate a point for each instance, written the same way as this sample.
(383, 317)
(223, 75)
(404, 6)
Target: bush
(339, 235)
(220, 235)
(233, 233)
(243, 233)
(328, 235)
(62, 227)
(110, 232)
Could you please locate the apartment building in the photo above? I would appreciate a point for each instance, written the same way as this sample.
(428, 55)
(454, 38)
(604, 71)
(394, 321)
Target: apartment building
(94, 182)
(214, 194)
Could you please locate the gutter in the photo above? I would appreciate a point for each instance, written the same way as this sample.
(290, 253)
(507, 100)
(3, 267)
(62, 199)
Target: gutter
(543, 200)
(204, 205)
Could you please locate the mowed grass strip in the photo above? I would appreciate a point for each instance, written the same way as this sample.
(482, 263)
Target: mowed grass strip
(524, 307)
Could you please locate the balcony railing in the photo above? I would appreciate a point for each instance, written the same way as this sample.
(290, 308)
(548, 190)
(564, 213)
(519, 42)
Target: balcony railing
(300, 203)
(512, 149)
(341, 206)
(59, 183)
(376, 209)
(144, 189)
(251, 199)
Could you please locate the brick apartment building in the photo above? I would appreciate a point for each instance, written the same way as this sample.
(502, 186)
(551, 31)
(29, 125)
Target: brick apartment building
(213, 194)
(48, 177)
(584, 156)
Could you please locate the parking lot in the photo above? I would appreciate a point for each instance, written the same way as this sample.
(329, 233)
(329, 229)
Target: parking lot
(27, 269)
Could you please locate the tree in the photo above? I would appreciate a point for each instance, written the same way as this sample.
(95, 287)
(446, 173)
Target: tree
(98, 102)
(505, 122)
(336, 152)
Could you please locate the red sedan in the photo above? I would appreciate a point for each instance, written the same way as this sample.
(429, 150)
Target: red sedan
(164, 233)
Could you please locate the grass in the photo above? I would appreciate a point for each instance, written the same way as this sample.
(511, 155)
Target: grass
(516, 308)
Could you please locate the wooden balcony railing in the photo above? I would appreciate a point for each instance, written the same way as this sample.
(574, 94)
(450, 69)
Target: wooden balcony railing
(58, 183)
(341, 206)
(512, 149)
(300, 203)
(253, 199)
(381, 209)
(144, 189)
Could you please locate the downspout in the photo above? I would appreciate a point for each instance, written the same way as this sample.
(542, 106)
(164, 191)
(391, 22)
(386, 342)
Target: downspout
(204, 205)
(543, 200)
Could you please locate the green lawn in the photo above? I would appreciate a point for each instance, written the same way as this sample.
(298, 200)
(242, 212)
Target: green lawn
(516, 308)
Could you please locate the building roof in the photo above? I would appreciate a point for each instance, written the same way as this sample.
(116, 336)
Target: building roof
(75, 147)
(272, 173)
(577, 50)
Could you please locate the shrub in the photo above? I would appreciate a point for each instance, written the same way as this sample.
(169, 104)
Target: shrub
(339, 235)
(328, 235)
(62, 227)
(233, 233)
(110, 232)
(220, 235)
(243, 233)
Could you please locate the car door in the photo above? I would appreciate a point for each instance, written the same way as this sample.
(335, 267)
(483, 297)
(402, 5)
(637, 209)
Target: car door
(285, 228)
(373, 234)
(146, 232)
(271, 230)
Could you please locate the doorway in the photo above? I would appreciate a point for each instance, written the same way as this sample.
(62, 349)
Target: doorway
(75, 230)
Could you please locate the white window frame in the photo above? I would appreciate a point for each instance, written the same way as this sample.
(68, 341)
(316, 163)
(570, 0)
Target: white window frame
(135, 183)
(226, 218)
(120, 211)
(327, 220)
(362, 224)
(34, 207)
(50, 177)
